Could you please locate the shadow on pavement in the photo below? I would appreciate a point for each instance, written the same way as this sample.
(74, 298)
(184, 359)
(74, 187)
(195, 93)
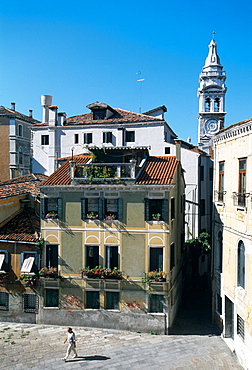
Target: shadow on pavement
(89, 358)
(194, 316)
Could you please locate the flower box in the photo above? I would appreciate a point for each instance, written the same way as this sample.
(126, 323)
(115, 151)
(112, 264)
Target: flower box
(92, 216)
(49, 272)
(53, 215)
(101, 273)
(28, 279)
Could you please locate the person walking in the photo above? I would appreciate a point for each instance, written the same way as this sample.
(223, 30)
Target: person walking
(71, 344)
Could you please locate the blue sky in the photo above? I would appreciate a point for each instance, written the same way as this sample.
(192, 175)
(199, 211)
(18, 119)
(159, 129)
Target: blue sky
(82, 51)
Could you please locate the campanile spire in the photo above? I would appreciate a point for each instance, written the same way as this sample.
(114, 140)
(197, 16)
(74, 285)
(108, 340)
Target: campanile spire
(211, 94)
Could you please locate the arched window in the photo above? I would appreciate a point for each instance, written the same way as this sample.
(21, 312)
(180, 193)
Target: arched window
(20, 156)
(217, 105)
(241, 265)
(207, 105)
(20, 130)
(219, 255)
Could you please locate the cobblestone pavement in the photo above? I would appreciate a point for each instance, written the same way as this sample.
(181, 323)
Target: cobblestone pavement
(29, 346)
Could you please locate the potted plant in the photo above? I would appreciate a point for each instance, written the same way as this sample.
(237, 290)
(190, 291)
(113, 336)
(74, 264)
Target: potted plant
(28, 279)
(53, 215)
(156, 216)
(92, 216)
(48, 272)
(101, 272)
(3, 276)
(110, 217)
(154, 276)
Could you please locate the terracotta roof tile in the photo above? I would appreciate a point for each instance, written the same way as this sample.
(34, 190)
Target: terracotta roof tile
(21, 185)
(120, 116)
(233, 125)
(62, 175)
(23, 227)
(9, 112)
(158, 171)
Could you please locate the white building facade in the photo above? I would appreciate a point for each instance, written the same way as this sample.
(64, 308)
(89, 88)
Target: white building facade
(232, 238)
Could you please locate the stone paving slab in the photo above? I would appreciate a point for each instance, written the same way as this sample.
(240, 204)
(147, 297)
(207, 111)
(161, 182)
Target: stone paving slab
(29, 346)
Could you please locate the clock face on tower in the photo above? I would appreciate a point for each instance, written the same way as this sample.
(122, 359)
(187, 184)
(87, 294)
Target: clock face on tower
(211, 126)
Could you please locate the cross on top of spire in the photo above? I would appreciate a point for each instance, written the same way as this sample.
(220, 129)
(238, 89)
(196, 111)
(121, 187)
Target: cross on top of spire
(213, 33)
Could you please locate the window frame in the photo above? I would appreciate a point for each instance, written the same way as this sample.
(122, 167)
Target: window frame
(117, 293)
(163, 209)
(76, 138)
(25, 302)
(44, 207)
(151, 304)
(86, 299)
(109, 257)
(45, 139)
(241, 267)
(35, 265)
(6, 263)
(48, 255)
(153, 265)
(88, 137)
(107, 137)
(242, 182)
(45, 297)
(129, 135)
(20, 130)
(96, 261)
(4, 307)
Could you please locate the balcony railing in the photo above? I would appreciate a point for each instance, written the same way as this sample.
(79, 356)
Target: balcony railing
(240, 199)
(219, 196)
(103, 172)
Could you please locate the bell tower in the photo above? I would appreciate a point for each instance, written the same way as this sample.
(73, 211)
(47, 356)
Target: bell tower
(211, 94)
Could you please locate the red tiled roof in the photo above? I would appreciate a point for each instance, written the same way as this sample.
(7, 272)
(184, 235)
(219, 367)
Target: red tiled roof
(23, 227)
(22, 185)
(158, 171)
(9, 112)
(234, 124)
(120, 116)
(62, 175)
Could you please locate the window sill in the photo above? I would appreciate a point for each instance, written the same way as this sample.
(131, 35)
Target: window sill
(51, 308)
(154, 222)
(156, 313)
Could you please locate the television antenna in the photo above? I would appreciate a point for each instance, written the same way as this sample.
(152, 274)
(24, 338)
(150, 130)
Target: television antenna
(140, 89)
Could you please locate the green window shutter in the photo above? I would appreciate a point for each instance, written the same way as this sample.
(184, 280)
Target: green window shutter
(165, 210)
(101, 208)
(120, 209)
(146, 209)
(42, 207)
(83, 208)
(35, 266)
(59, 208)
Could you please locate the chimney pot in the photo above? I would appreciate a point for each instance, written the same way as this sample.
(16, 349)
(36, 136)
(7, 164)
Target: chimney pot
(30, 112)
(13, 106)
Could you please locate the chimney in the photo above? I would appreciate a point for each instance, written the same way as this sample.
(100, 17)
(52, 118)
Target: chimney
(30, 113)
(53, 115)
(178, 149)
(46, 101)
(61, 118)
(13, 106)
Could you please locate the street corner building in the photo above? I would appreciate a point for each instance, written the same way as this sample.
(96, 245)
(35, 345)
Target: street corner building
(114, 230)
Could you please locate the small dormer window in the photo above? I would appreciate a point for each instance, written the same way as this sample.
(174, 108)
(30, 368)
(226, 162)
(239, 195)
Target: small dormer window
(99, 114)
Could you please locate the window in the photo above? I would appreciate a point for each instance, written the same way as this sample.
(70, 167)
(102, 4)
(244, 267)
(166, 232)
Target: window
(113, 209)
(107, 137)
(92, 256)
(112, 300)
(202, 207)
(207, 105)
(130, 136)
(4, 260)
(167, 150)
(112, 257)
(172, 256)
(20, 130)
(156, 303)
(30, 302)
(156, 258)
(51, 208)
(221, 181)
(88, 138)
(44, 139)
(29, 262)
(4, 301)
(242, 182)
(241, 265)
(92, 299)
(201, 173)
(218, 304)
(91, 208)
(217, 105)
(99, 114)
(156, 209)
(240, 327)
(51, 255)
(172, 208)
(51, 298)
(219, 252)
(20, 156)
(76, 138)
(211, 174)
